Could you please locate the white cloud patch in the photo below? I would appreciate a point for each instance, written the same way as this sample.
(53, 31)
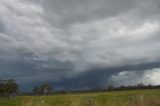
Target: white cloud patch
(135, 77)
(152, 76)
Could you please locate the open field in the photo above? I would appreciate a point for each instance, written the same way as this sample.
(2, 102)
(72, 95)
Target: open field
(115, 98)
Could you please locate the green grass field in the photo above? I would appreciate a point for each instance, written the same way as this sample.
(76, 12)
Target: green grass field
(115, 98)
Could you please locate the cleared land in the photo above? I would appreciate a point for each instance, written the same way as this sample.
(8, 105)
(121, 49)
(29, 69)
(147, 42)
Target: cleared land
(115, 98)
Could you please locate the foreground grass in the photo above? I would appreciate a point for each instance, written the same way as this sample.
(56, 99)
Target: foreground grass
(116, 98)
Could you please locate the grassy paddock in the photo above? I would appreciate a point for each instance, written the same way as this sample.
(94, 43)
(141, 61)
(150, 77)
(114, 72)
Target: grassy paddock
(115, 98)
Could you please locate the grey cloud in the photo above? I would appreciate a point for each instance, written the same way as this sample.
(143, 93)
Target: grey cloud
(2, 27)
(64, 13)
(70, 39)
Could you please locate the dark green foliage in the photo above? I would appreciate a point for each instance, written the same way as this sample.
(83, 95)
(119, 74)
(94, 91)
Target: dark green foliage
(43, 89)
(46, 88)
(8, 87)
(135, 87)
(36, 90)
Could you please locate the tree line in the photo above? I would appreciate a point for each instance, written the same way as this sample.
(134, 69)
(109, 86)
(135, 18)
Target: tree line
(41, 89)
(10, 87)
(135, 87)
(120, 88)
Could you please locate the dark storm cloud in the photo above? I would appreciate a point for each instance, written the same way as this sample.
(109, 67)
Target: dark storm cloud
(83, 42)
(16, 65)
(102, 77)
(99, 77)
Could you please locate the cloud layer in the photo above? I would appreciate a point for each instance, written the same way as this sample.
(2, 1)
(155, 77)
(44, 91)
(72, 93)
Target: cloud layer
(53, 40)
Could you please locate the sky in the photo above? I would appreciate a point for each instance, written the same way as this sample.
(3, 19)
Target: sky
(80, 43)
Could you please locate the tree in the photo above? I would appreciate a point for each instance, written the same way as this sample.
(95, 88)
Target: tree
(36, 90)
(46, 88)
(43, 89)
(11, 86)
(8, 87)
(1, 87)
(140, 86)
(110, 88)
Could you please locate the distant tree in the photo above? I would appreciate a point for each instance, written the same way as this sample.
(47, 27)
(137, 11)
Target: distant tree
(1, 87)
(122, 87)
(149, 86)
(46, 89)
(140, 85)
(36, 91)
(110, 88)
(8, 87)
(61, 92)
(11, 86)
(43, 89)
